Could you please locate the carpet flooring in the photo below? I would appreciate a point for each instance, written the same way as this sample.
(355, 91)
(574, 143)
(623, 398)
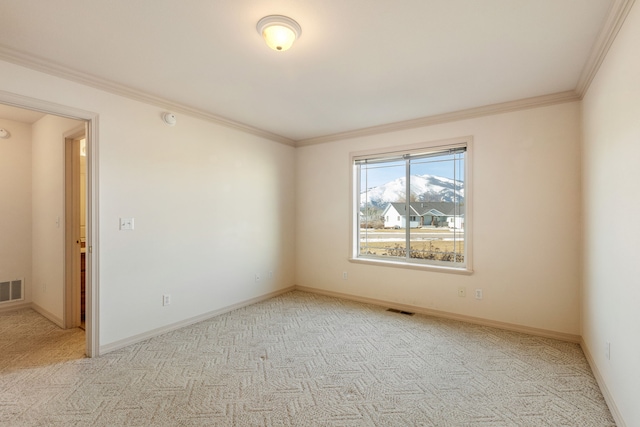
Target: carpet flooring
(299, 359)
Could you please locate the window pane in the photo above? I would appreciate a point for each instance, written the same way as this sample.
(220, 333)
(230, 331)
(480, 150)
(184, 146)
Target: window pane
(458, 223)
(437, 190)
(382, 216)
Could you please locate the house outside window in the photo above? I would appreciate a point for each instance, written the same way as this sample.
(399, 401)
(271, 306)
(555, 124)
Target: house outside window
(428, 184)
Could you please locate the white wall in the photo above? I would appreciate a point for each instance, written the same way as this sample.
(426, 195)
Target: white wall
(611, 296)
(212, 207)
(48, 217)
(526, 215)
(15, 202)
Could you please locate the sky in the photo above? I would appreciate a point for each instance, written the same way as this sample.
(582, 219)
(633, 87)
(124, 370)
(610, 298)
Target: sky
(379, 174)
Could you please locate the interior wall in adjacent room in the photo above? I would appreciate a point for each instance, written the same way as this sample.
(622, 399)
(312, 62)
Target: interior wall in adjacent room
(15, 197)
(48, 213)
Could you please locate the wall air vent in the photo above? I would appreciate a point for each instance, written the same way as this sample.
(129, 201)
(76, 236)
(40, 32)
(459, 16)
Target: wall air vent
(395, 310)
(11, 290)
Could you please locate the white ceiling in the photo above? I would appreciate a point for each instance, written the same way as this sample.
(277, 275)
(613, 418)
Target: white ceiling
(358, 63)
(19, 114)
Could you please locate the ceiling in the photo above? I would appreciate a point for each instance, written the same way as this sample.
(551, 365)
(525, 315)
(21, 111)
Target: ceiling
(19, 114)
(358, 63)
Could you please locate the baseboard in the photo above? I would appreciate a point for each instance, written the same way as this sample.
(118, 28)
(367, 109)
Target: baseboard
(14, 306)
(55, 319)
(443, 314)
(615, 413)
(190, 321)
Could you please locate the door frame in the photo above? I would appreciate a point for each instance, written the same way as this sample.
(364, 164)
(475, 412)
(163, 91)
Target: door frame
(92, 329)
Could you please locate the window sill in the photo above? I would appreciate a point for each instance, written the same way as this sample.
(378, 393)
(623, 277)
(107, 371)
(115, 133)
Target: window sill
(467, 271)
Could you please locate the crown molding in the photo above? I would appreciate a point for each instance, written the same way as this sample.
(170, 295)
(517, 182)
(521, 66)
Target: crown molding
(616, 17)
(57, 70)
(487, 110)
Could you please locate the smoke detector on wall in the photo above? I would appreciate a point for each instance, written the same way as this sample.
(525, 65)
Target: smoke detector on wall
(169, 118)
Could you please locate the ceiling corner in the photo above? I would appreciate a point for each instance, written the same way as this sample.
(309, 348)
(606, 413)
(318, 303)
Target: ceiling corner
(617, 15)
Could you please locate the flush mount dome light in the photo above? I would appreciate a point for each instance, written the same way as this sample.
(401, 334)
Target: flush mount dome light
(279, 31)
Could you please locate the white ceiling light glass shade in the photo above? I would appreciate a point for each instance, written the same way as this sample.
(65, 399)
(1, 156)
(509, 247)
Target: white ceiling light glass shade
(4, 134)
(279, 32)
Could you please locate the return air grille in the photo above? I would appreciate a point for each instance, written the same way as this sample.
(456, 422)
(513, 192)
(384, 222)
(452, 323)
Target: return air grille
(395, 310)
(11, 290)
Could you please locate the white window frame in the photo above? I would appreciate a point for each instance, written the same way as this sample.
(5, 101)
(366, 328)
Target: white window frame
(409, 149)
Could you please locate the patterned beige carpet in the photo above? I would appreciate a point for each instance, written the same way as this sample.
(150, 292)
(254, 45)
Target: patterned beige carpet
(298, 360)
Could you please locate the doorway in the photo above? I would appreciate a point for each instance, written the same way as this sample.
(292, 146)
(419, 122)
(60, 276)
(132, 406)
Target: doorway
(89, 123)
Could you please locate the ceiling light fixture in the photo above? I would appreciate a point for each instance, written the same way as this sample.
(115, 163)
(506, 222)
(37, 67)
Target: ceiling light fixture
(4, 134)
(279, 31)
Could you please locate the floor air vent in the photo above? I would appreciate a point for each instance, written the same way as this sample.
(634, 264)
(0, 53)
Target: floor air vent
(393, 310)
(11, 290)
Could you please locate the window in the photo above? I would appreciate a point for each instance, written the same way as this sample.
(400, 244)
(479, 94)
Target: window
(426, 189)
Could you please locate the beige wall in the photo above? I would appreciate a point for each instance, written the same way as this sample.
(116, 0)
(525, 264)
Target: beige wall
(611, 296)
(15, 202)
(526, 216)
(48, 213)
(213, 206)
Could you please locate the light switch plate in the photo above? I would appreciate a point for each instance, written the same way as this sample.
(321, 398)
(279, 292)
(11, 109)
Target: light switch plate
(126, 223)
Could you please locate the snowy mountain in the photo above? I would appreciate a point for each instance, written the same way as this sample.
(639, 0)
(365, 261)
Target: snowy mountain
(424, 188)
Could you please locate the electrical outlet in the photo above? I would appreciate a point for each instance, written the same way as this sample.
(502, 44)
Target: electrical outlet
(607, 350)
(44, 287)
(462, 292)
(345, 276)
(478, 293)
(166, 299)
(270, 275)
(257, 277)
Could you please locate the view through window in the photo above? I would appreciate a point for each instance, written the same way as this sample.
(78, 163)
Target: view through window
(411, 206)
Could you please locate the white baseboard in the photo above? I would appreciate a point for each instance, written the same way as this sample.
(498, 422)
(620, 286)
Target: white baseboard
(615, 412)
(55, 319)
(14, 306)
(172, 327)
(436, 313)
